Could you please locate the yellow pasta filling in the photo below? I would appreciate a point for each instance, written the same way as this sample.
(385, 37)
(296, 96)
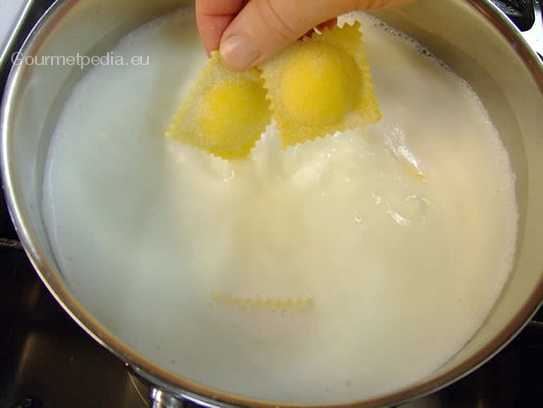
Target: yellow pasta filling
(316, 85)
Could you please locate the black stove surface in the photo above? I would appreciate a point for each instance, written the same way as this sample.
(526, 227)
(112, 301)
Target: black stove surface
(47, 361)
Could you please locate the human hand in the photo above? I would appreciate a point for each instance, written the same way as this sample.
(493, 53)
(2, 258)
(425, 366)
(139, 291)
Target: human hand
(248, 32)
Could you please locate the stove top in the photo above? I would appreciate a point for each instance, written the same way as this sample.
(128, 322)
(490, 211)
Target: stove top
(47, 361)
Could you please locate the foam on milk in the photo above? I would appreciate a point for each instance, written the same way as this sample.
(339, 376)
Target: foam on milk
(401, 271)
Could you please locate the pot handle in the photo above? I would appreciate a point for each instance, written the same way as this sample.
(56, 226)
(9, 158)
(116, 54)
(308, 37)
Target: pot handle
(520, 12)
(160, 398)
(527, 16)
(163, 399)
(534, 36)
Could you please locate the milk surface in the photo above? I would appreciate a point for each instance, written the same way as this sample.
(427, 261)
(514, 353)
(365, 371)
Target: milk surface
(329, 272)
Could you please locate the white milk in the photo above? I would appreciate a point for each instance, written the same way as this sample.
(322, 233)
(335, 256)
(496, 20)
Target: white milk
(393, 274)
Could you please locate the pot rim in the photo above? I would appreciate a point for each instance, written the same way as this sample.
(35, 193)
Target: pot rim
(144, 367)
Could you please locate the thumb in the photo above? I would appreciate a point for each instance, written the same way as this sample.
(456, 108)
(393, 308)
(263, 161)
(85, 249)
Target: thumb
(263, 28)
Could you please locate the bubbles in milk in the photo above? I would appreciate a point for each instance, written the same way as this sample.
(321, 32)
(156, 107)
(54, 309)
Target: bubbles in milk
(315, 274)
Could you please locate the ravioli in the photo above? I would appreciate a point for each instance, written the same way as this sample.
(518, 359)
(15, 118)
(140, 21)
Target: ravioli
(225, 113)
(258, 302)
(321, 85)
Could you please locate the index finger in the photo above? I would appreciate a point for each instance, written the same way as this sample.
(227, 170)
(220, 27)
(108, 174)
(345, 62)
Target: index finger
(212, 18)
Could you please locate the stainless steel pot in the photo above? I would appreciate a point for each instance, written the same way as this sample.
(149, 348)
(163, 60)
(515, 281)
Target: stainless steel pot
(471, 36)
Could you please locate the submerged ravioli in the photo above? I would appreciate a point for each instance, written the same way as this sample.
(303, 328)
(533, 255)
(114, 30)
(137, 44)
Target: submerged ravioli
(225, 114)
(258, 302)
(321, 85)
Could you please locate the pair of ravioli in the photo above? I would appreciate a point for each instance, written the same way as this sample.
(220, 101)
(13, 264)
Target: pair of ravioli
(318, 86)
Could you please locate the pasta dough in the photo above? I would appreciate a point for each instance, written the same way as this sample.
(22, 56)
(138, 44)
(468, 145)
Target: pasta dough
(225, 113)
(321, 85)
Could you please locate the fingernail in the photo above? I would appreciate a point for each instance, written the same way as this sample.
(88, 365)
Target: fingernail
(239, 52)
